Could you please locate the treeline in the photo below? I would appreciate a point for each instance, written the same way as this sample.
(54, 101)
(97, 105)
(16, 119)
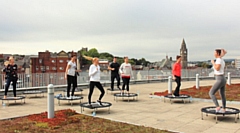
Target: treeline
(105, 55)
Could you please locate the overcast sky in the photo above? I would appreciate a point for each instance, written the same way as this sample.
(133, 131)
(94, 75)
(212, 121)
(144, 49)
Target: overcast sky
(136, 28)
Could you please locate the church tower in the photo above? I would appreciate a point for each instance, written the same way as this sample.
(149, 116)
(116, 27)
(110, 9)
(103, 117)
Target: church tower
(184, 54)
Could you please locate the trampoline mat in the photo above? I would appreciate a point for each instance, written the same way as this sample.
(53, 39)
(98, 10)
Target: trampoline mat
(229, 111)
(14, 98)
(126, 95)
(96, 105)
(182, 96)
(70, 98)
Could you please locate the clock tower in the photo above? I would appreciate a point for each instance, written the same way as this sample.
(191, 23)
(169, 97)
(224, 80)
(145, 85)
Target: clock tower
(184, 54)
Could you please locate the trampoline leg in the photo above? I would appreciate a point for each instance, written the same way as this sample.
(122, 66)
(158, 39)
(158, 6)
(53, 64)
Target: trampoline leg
(109, 110)
(216, 119)
(202, 115)
(58, 102)
(238, 115)
(235, 118)
(206, 114)
(128, 99)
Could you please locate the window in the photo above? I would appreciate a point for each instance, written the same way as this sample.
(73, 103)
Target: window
(60, 68)
(42, 68)
(47, 67)
(61, 61)
(36, 67)
(40, 60)
(67, 61)
(53, 68)
(53, 61)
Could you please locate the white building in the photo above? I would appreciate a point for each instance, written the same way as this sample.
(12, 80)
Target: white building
(237, 62)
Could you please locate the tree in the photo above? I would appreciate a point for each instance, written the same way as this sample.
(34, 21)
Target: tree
(105, 54)
(93, 52)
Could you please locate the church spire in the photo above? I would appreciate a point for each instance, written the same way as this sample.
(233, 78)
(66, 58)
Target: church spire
(183, 44)
(184, 54)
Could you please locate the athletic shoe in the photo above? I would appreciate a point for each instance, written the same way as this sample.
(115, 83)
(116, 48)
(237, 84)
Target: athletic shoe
(122, 93)
(173, 95)
(217, 110)
(99, 102)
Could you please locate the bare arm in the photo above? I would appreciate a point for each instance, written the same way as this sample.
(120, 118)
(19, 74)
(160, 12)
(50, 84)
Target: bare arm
(223, 52)
(68, 66)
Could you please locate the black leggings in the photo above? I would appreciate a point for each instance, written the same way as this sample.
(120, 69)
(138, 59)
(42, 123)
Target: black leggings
(125, 83)
(71, 80)
(178, 81)
(14, 82)
(99, 86)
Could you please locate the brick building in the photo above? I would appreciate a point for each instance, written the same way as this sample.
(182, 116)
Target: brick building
(47, 67)
(47, 62)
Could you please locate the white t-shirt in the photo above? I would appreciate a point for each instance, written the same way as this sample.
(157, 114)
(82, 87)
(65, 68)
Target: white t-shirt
(72, 68)
(94, 73)
(221, 70)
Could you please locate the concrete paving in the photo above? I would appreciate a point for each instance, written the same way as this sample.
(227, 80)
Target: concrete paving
(152, 112)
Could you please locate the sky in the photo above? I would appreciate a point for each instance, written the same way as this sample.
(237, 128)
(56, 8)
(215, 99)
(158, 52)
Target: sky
(150, 29)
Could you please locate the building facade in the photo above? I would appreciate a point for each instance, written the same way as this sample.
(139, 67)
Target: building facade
(52, 63)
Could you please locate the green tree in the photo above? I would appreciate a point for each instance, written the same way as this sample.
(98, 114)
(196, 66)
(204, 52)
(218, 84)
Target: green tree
(93, 52)
(105, 54)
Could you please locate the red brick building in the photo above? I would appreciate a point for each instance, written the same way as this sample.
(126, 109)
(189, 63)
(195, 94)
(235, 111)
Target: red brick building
(47, 62)
(49, 67)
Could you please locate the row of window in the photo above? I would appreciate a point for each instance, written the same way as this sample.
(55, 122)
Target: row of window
(48, 68)
(53, 61)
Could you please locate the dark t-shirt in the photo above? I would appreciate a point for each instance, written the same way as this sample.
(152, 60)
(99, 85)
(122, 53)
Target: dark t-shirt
(11, 71)
(115, 66)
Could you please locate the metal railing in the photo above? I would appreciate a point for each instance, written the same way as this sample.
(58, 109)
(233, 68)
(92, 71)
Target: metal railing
(44, 79)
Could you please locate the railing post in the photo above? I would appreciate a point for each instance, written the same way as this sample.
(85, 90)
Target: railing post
(229, 78)
(170, 85)
(197, 81)
(50, 101)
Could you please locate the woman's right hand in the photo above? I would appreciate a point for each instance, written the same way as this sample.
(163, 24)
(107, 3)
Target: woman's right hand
(174, 77)
(65, 77)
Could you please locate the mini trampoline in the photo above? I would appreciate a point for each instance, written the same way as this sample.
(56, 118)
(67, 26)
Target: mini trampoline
(32, 92)
(18, 98)
(180, 97)
(76, 90)
(95, 106)
(126, 95)
(69, 99)
(229, 111)
(115, 89)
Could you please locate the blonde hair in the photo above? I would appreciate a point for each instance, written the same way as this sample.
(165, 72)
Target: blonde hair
(10, 58)
(6, 63)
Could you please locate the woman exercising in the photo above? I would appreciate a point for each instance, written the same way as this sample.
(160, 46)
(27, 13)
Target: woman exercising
(94, 74)
(220, 83)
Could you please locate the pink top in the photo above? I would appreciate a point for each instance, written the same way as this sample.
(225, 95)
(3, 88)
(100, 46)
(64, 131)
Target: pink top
(177, 69)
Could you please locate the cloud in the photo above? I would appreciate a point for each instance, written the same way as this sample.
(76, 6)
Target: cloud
(137, 28)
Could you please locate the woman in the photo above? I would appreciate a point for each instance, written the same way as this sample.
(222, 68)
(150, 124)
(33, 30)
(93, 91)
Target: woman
(176, 73)
(71, 75)
(220, 83)
(11, 76)
(94, 74)
(126, 73)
